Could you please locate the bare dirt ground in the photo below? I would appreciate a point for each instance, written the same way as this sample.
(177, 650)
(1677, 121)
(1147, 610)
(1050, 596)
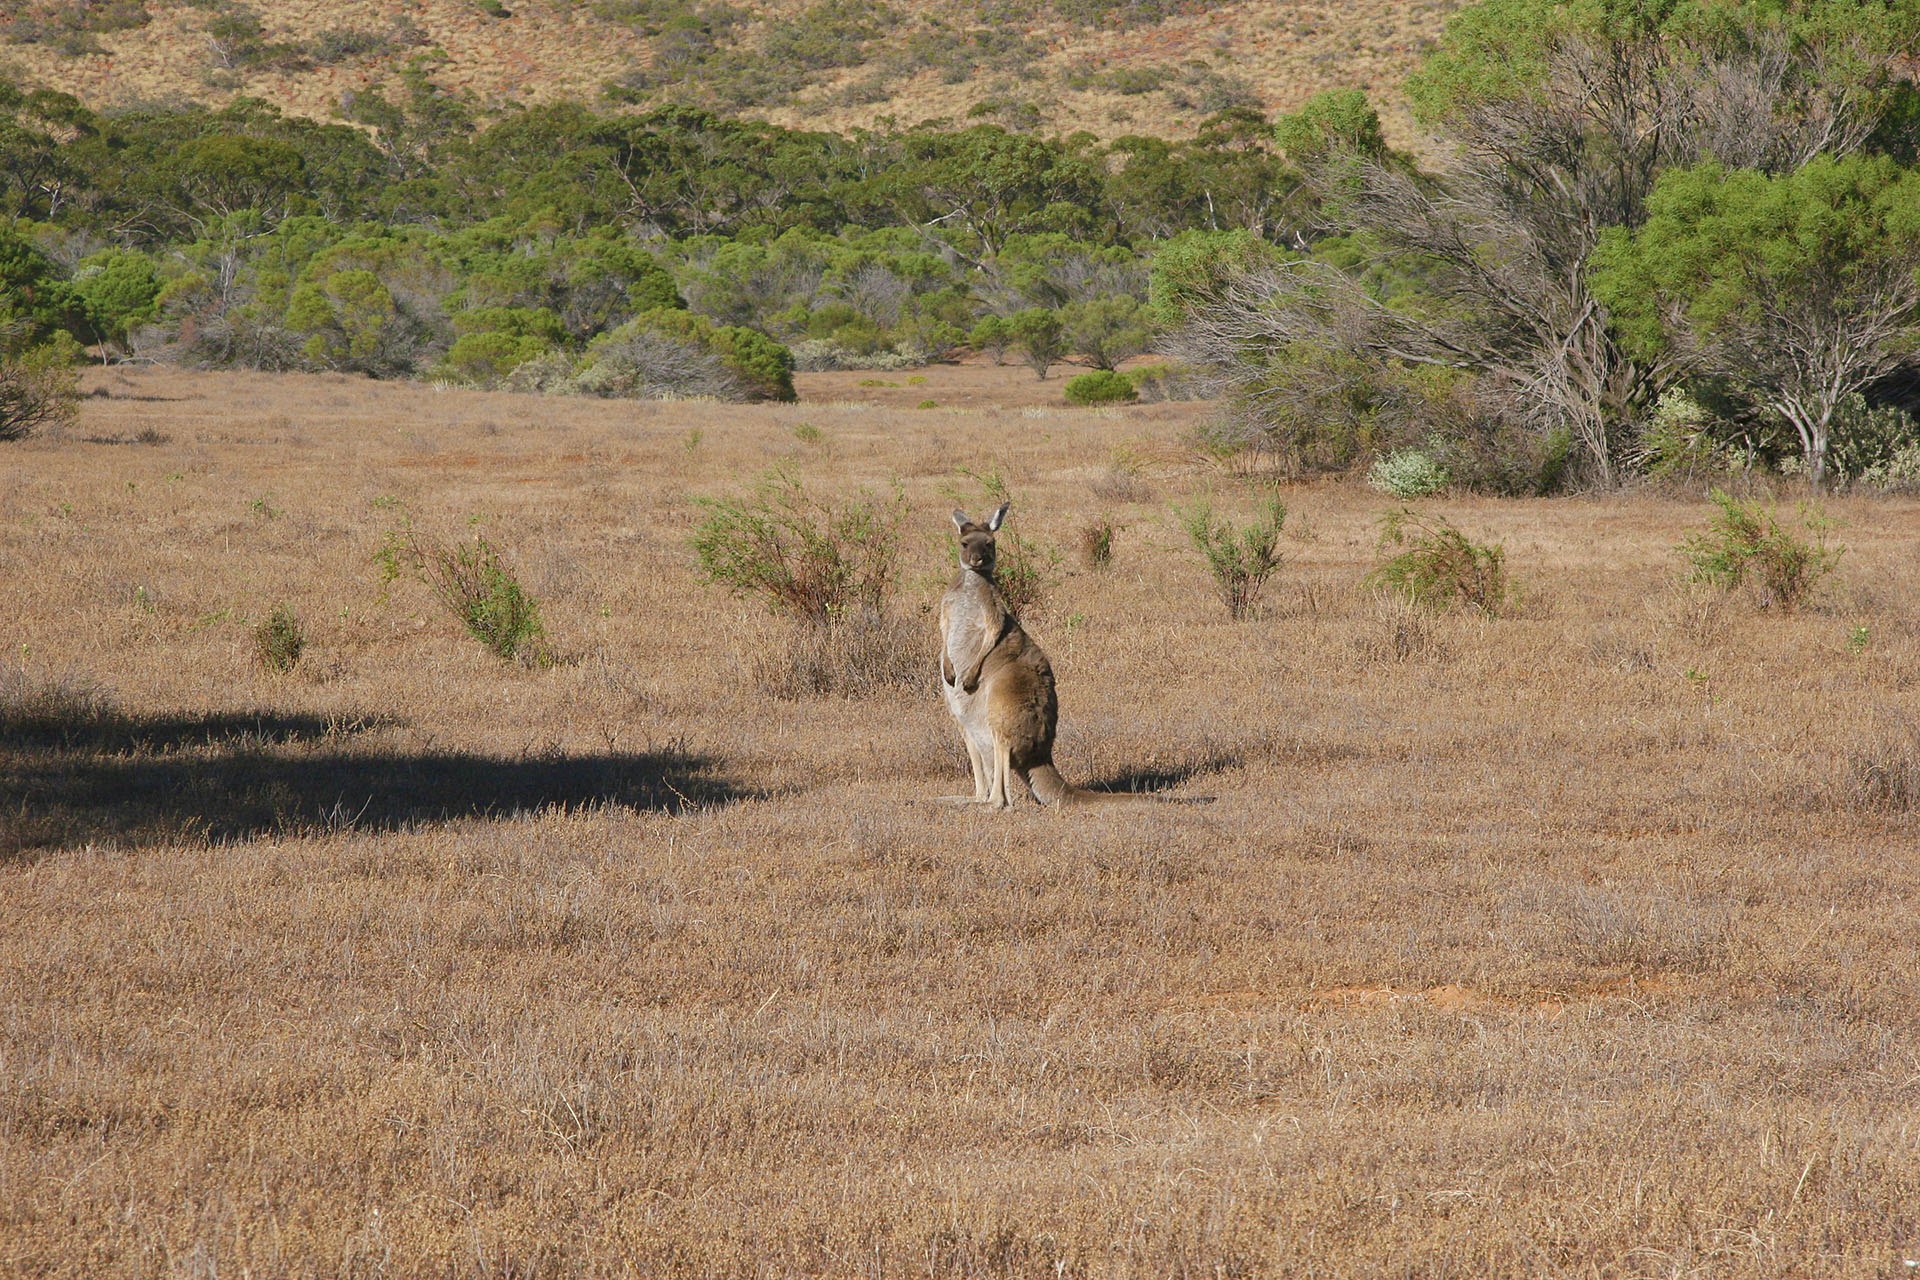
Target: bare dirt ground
(1577, 942)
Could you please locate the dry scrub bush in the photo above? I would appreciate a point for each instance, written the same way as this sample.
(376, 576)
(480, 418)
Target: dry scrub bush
(58, 711)
(1121, 484)
(1694, 609)
(1744, 544)
(1096, 544)
(802, 556)
(1883, 775)
(1440, 566)
(1240, 560)
(857, 656)
(1396, 629)
(279, 641)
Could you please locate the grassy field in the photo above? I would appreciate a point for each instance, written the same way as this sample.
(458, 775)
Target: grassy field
(1575, 942)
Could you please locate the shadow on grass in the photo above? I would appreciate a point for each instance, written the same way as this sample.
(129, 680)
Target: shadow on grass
(110, 777)
(1193, 761)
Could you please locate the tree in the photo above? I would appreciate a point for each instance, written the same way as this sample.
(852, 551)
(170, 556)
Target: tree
(1802, 287)
(119, 289)
(225, 173)
(991, 184)
(1040, 334)
(1563, 117)
(1107, 330)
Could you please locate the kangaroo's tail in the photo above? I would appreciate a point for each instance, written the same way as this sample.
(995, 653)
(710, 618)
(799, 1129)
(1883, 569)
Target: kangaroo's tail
(1049, 788)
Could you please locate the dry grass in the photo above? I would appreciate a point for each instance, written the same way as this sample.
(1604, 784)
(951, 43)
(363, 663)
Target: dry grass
(1575, 943)
(1284, 52)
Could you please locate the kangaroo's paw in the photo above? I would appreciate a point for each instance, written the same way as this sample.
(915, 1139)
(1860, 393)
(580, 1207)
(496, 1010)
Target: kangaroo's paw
(958, 800)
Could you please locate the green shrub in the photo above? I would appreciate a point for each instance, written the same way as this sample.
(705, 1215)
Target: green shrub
(119, 290)
(39, 388)
(1438, 565)
(1241, 560)
(802, 556)
(279, 641)
(1100, 386)
(1679, 439)
(1107, 330)
(1041, 336)
(1163, 381)
(1408, 473)
(478, 587)
(764, 366)
(1868, 440)
(993, 335)
(1743, 544)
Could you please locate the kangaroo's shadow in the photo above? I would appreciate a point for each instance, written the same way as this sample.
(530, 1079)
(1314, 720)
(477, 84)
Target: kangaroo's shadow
(136, 781)
(1162, 776)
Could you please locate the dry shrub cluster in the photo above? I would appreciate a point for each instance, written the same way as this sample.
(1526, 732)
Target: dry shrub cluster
(862, 655)
(1567, 943)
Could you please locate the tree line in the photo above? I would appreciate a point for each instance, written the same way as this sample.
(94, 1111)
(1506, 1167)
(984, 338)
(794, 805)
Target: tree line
(1670, 237)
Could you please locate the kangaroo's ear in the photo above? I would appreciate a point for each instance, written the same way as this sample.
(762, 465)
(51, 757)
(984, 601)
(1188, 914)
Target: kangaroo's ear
(960, 519)
(997, 518)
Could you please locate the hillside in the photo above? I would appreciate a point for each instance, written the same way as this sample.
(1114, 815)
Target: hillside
(1055, 67)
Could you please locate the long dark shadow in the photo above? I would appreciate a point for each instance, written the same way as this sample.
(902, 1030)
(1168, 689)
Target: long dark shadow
(136, 781)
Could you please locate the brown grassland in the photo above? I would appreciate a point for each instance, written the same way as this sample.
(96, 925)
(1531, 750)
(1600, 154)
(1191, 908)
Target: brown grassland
(1282, 51)
(1576, 942)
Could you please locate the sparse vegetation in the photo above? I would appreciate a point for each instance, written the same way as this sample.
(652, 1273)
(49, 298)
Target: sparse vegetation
(1096, 544)
(279, 640)
(1438, 566)
(1744, 544)
(810, 558)
(1240, 559)
(477, 585)
(630, 961)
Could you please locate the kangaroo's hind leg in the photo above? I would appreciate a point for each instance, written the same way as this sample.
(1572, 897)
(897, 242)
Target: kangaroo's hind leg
(979, 753)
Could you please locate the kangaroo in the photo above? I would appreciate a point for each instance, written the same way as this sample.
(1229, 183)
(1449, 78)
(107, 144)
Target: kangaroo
(998, 684)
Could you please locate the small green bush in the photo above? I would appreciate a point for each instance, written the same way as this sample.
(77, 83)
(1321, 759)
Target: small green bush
(1100, 386)
(1742, 544)
(1439, 566)
(279, 641)
(1408, 473)
(1241, 560)
(803, 556)
(478, 587)
(1163, 381)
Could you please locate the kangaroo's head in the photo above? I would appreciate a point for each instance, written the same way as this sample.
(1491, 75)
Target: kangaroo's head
(976, 540)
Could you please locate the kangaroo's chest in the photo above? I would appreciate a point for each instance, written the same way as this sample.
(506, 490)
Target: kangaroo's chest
(972, 620)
